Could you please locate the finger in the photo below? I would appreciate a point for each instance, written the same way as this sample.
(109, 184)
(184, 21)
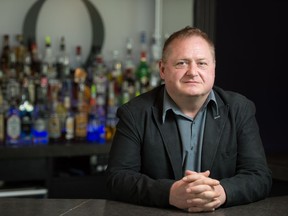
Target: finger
(190, 172)
(194, 176)
(200, 189)
(194, 181)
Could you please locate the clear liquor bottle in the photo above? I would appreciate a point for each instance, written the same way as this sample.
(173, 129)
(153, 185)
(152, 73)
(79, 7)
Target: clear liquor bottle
(143, 69)
(63, 61)
(26, 113)
(129, 68)
(48, 62)
(69, 128)
(40, 116)
(13, 121)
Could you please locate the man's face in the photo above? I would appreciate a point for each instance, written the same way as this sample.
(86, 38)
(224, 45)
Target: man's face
(188, 68)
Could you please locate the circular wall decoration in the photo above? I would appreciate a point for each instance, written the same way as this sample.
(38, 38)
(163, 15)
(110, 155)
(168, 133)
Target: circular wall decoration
(30, 23)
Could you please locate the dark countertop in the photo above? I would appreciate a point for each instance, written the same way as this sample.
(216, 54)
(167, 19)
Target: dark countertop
(272, 206)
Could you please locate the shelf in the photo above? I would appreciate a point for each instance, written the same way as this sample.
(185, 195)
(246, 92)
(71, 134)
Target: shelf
(53, 150)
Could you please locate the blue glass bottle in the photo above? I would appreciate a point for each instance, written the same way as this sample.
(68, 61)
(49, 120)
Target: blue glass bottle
(40, 118)
(25, 112)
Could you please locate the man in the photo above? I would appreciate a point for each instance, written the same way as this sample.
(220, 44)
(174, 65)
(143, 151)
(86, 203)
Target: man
(188, 143)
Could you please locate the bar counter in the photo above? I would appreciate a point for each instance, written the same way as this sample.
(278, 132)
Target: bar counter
(272, 206)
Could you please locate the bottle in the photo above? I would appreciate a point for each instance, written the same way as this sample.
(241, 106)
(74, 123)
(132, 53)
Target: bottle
(92, 127)
(40, 116)
(116, 73)
(101, 119)
(48, 62)
(112, 119)
(155, 79)
(13, 121)
(26, 110)
(81, 115)
(36, 61)
(20, 53)
(143, 70)
(5, 56)
(69, 131)
(2, 120)
(63, 61)
(78, 63)
(129, 68)
(54, 122)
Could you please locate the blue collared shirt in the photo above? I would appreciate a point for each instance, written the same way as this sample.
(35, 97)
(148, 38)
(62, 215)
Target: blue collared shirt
(191, 131)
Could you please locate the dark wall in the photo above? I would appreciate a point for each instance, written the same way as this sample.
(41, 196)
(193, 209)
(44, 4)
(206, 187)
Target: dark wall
(251, 57)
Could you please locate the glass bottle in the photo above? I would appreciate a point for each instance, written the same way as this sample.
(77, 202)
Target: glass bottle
(13, 121)
(69, 129)
(54, 122)
(2, 120)
(112, 119)
(48, 62)
(26, 110)
(143, 70)
(63, 61)
(81, 115)
(40, 117)
(129, 68)
(5, 56)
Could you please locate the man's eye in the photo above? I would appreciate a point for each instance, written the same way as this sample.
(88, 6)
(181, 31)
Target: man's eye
(202, 63)
(181, 64)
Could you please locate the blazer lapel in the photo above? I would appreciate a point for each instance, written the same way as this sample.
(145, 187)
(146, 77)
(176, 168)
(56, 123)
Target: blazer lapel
(171, 140)
(213, 130)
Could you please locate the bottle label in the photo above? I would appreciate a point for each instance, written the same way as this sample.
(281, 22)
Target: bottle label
(54, 126)
(13, 126)
(40, 125)
(81, 125)
(69, 128)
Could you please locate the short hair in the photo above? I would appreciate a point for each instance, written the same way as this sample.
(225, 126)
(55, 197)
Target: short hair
(186, 32)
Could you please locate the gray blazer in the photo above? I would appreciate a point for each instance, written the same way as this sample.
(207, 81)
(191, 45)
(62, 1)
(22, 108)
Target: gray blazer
(146, 155)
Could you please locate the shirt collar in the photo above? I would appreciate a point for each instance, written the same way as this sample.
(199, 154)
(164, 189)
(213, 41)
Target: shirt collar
(169, 104)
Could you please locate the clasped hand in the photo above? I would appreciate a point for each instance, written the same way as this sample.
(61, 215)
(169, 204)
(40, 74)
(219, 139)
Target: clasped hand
(196, 192)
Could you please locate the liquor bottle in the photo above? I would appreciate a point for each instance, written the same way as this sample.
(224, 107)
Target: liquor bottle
(13, 121)
(2, 120)
(48, 62)
(36, 61)
(54, 122)
(26, 112)
(40, 117)
(101, 119)
(92, 63)
(116, 73)
(100, 78)
(63, 61)
(155, 79)
(112, 119)
(5, 56)
(92, 127)
(69, 130)
(81, 115)
(78, 62)
(143, 70)
(20, 53)
(125, 95)
(129, 68)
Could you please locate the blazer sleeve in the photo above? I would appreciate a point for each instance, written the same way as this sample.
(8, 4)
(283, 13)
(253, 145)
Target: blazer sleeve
(252, 178)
